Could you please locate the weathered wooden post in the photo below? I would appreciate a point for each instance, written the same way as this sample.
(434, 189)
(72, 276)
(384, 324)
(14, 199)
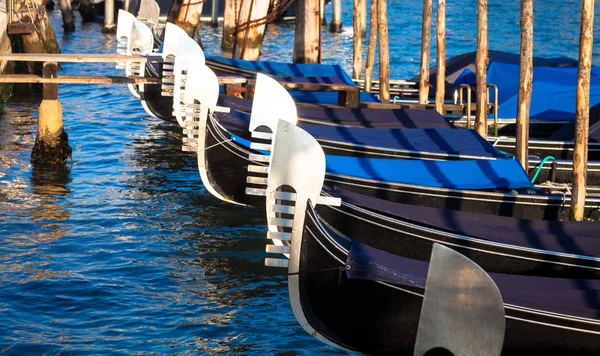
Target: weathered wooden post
(189, 16)
(126, 5)
(525, 82)
(322, 12)
(67, 15)
(440, 32)
(214, 13)
(229, 16)
(425, 44)
(307, 36)
(249, 38)
(371, 46)
(384, 52)
(52, 142)
(363, 20)
(480, 69)
(336, 19)
(109, 16)
(357, 11)
(582, 116)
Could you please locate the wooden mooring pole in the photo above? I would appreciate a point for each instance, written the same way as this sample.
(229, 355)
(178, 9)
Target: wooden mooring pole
(582, 114)
(480, 68)
(425, 50)
(371, 46)
(229, 16)
(357, 12)
(189, 16)
(363, 19)
(249, 38)
(307, 36)
(525, 82)
(440, 32)
(52, 142)
(109, 16)
(67, 15)
(214, 13)
(322, 12)
(336, 19)
(384, 52)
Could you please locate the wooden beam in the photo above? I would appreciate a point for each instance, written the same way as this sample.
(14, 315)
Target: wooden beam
(72, 57)
(371, 46)
(582, 115)
(109, 16)
(20, 28)
(525, 82)
(357, 12)
(481, 67)
(76, 79)
(307, 35)
(425, 50)
(384, 52)
(440, 31)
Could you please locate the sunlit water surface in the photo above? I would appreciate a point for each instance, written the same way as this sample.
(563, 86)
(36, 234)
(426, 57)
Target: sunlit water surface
(125, 252)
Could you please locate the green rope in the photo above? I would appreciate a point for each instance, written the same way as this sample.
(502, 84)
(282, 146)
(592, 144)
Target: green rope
(539, 168)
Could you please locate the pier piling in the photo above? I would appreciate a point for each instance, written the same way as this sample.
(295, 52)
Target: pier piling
(229, 16)
(480, 68)
(322, 12)
(109, 16)
(357, 17)
(249, 35)
(189, 16)
(425, 50)
(336, 19)
(384, 52)
(52, 142)
(525, 83)
(440, 31)
(214, 14)
(307, 36)
(67, 15)
(582, 113)
(371, 46)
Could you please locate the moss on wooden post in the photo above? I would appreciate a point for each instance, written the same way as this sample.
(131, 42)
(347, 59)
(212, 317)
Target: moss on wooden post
(52, 142)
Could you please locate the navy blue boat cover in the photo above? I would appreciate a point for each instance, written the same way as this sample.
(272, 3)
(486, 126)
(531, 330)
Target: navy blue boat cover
(576, 238)
(576, 297)
(437, 141)
(394, 118)
(465, 174)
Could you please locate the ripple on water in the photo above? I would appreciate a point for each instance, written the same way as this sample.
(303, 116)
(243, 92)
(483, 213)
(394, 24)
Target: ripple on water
(124, 252)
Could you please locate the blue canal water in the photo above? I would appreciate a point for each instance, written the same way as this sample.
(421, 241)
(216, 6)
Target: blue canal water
(125, 252)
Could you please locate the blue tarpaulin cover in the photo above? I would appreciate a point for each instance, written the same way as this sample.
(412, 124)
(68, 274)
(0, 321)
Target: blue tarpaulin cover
(281, 69)
(468, 174)
(553, 90)
(436, 141)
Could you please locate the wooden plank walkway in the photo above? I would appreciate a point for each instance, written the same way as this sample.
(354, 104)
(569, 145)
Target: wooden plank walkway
(76, 79)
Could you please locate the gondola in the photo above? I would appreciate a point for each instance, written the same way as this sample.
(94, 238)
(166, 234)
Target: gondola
(224, 157)
(359, 293)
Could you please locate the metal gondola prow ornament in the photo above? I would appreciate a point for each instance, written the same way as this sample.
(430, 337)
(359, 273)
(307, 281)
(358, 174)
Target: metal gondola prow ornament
(149, 13)
(124, 29)
(462, 311)
(271, 103)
